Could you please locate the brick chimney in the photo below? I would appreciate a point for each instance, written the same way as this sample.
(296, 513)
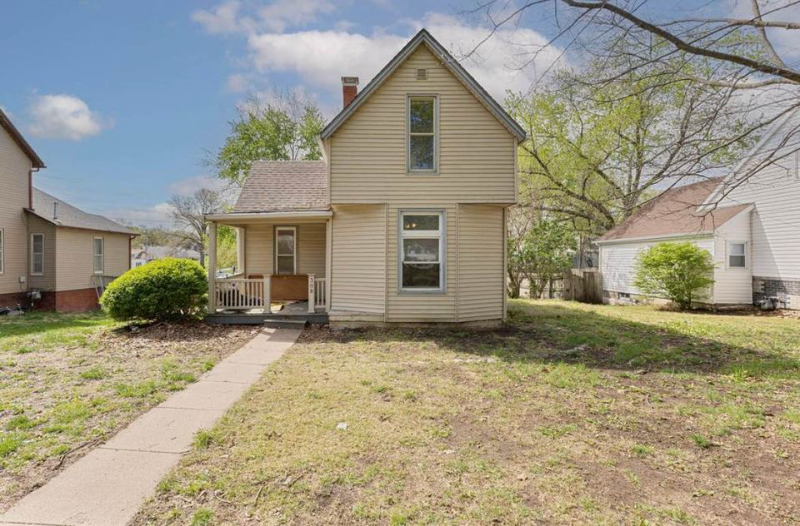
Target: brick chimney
(349, 90)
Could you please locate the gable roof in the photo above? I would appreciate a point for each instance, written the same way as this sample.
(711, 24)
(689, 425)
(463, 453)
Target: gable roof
(790, 117)
(12, 130)
(69, 216)
(674, 213)
(281, 186)
(423, 37)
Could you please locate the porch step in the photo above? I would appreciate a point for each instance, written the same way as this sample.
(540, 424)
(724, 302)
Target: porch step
(272, 321)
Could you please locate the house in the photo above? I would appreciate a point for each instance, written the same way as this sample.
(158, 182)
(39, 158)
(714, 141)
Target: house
(402, 221)
(749, 221)
(146, 254)
(51, 254)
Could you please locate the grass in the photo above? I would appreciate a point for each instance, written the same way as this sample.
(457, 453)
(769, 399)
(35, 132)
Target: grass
(69, 381)
(571, 414)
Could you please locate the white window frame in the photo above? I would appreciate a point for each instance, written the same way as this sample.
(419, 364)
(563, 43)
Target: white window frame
(728, 255)
(293, 229)
(34, 254)
(2, 251)
(422, 234)
(434, 134)
(101, 254)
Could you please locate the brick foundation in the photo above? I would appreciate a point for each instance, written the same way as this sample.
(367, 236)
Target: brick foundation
(12, 300)
(787, 292)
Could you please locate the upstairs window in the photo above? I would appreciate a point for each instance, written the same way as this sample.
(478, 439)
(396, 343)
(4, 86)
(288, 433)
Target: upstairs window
(421, 252)
(737, 255)
(286, 250)
(98, 255)
(422, 143)
(37, 254)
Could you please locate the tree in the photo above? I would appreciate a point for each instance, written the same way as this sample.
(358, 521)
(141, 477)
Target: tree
(188, 213)
(634, 40)
(540, 253)
(681, 272)
(284, 129)
(595, 155)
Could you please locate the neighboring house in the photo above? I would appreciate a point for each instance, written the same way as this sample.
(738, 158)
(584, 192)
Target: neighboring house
(47, 246)
(404, 219)
(750, 225)
(146, 254)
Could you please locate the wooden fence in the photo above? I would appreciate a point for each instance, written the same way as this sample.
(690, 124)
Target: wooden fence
(583, 285)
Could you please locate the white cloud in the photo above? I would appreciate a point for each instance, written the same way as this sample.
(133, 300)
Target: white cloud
(322, 57)
(228, 17)
(238, 83)
(152, 216)
(188, 186)
(63, 117)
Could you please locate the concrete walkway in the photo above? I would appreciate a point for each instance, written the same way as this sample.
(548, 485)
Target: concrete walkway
(108, 485)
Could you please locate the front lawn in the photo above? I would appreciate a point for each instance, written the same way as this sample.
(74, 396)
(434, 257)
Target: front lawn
(573, 414)
(70, 381)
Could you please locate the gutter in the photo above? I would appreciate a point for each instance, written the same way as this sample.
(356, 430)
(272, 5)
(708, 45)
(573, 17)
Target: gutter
(269, 215)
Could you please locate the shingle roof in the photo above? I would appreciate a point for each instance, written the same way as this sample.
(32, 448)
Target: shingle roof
(72, 217)
(673, 213)
(283, 186)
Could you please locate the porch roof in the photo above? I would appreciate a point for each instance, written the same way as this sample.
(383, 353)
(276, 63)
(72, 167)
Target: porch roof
(285, 186)
(255, 217)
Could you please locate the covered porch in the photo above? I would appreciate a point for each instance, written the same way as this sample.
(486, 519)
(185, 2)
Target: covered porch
(282, 266)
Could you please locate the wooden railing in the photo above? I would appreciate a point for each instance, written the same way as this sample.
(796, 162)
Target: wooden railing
(320, 294)
(242, 294)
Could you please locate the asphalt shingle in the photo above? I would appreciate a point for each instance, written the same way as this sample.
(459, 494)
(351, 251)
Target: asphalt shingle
(283, 186)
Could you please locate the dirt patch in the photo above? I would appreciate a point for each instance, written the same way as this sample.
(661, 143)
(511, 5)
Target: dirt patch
(60, 399)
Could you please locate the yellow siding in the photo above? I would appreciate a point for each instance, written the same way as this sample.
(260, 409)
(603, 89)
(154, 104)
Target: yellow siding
(422, 307)
(480, 262)
(260, 248)
(359, 260)
(47, 281)
(368, 153)
(74, 249)
(14, 198)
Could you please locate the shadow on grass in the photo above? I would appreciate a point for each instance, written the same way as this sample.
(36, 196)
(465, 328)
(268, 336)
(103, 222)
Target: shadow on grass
(600, 337)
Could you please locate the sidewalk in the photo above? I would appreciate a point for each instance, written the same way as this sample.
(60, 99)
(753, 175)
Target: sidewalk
(108, 485)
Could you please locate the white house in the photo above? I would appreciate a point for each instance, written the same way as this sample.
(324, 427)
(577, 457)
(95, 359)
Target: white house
(749, 221)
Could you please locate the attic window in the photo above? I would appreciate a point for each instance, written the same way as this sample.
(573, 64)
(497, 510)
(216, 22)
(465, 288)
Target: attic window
(422, 74)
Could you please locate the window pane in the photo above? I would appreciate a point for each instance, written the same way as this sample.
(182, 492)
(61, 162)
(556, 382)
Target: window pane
(420, 250)
(286, 242)
(420, 222)
(98, 246)
(98, 263)
(421, 276)
(737, 261)
(285, 264)
(421, 118)
(38, 242)
(38, 263)
(421, 155)
(737, 249)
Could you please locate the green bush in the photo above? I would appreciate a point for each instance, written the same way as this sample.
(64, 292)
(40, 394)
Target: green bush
(681, 272)
(164, 289)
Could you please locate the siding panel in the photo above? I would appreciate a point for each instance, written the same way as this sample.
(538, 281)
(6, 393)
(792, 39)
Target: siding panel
(74, 249)
(359, 260)
(14, 198)
(47, 281)
(260, 248)
(480, 262)
(368, 153)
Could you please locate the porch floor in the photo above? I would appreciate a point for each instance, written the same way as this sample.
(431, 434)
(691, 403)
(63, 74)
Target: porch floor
(294, 312)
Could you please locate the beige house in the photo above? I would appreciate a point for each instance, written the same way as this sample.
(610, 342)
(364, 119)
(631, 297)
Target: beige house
(52, 254)
(404, 219)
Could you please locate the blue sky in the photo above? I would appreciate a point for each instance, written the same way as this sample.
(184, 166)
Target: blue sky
(122, 99)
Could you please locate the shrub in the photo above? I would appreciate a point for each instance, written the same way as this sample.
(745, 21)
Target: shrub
(680, 272)
(165, 289)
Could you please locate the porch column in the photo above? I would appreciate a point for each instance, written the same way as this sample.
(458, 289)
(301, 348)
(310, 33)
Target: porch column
(212, 268)
(241, 246)
(312, 296)
(328, 262)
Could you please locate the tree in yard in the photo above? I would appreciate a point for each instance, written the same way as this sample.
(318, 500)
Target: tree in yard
(540, 252)
(596, 154)
(681, 272)
(728, 48)
(188, 214)
(284, 129)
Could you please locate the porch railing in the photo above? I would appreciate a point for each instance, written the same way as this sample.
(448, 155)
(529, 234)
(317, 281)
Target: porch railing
(242, 294)
(320, 294)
